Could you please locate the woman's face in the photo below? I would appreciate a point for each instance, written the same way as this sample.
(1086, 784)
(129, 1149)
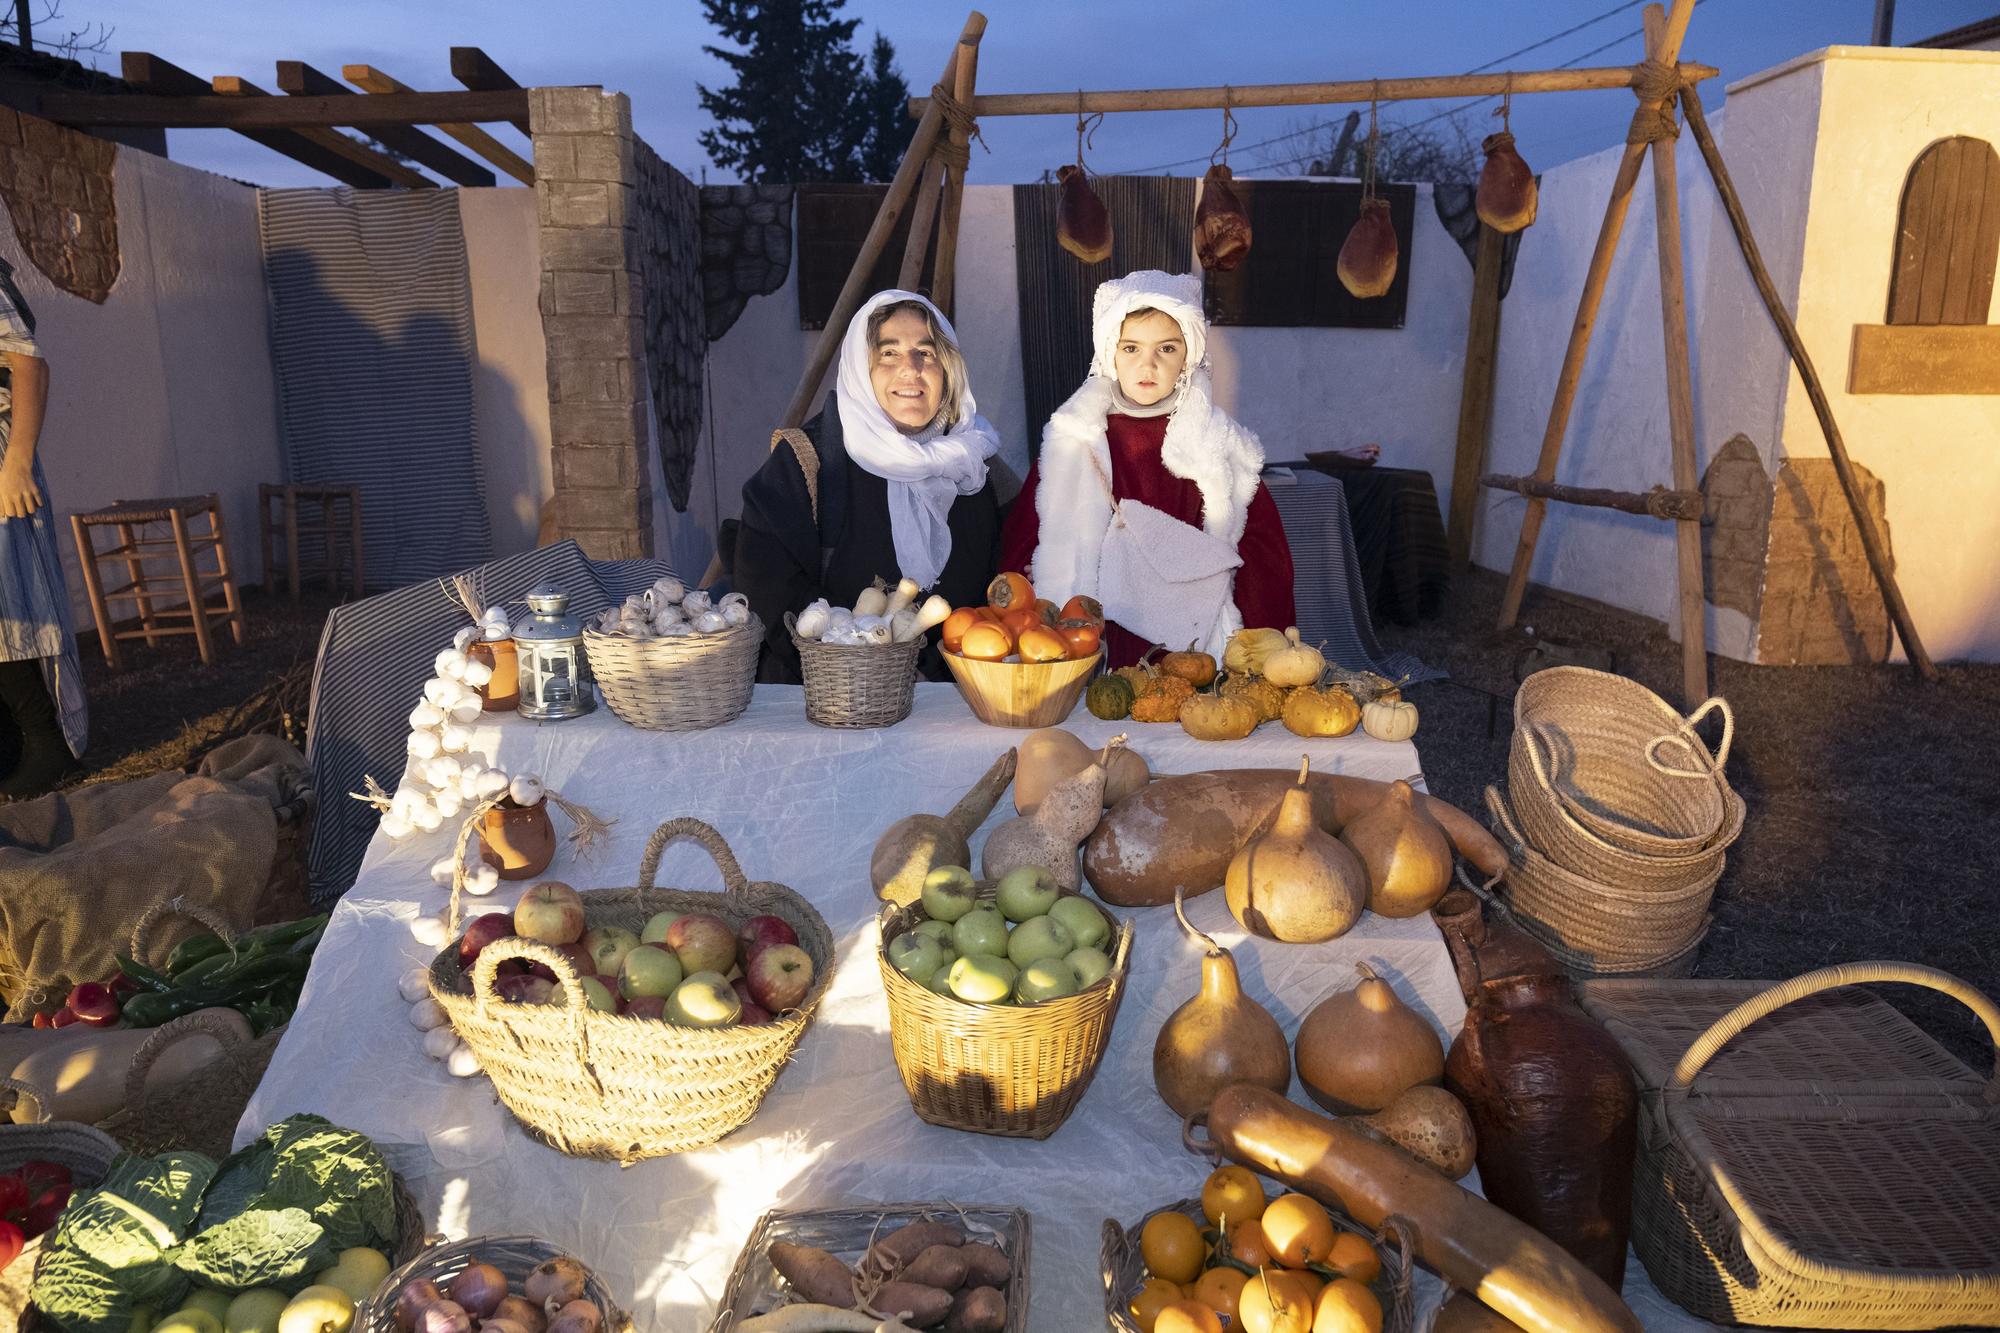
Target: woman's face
(1152, 352)
(908, 381)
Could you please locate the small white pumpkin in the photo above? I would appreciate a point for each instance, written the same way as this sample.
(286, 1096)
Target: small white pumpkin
(1390, 719)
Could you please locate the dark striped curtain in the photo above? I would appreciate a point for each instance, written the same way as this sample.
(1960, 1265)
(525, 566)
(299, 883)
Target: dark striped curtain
(371, 337)
(1152, 226)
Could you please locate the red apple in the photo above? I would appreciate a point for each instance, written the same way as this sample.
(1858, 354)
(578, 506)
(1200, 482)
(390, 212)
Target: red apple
(551, 912)
(45, 1210)
(753, 1015)
(761, 931)
(64, 1017)
(11, 1241)
(94, 1005)
(14, 1195)
(703, 943)
(121, 986)
(579, 961)
(480, 932)
(645, 1006)
(526, 990)
(780, 976)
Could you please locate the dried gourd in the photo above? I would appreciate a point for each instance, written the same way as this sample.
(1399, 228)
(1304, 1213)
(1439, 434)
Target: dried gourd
(1406, 852)
(1197, 669)
(1295, 664)
(1110, 698)
(1218, 717)
(1260, 694)
(1294, 881)
(1313, 712)
(1247, 649)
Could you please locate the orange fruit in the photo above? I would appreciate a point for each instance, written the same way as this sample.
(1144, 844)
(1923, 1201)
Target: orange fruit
(1232, 1195)
(1221, 1290)
(1345, 1306)
(1187, 1317)
(1275, 1302)
(986, 643)
(1153, 1297)
(1039, 643)
(1246, 1246)
(1081, 636)
(1020, 620)
(955, 626)
(1172, 1247)
(1010, 591)
(1297, 1230)
(1352, 1256)
(1082, 608)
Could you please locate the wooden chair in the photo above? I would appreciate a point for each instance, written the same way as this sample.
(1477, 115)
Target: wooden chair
(336, 558)
(186, 581)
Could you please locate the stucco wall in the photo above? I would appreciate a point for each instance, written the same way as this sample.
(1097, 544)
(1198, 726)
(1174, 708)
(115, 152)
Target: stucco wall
(510, 382)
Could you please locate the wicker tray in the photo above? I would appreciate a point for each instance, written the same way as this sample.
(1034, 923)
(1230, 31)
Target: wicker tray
(87, 1152)
(755, 1287)
(683, 683)
(602, 1085)
(1836, 1170)
(515, 1256)
(1123, 1270)
(857, 685)
(1015, 1071)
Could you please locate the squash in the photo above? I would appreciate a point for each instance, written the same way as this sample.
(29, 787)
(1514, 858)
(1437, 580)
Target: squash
(1430, 1125)
(1158, 707)
(1052, 755)
(1049, 837)
(914, 845)
(79, 1073)
(1407, 856)
(1218, 717)
(1295, 664)
(1265, 698)
(1312, 712)
(1220, 1036)
(1110, 698)
(1389, 719)
(1248, 648)
(1361, 1049)
(1294, 881)
(1197, 669)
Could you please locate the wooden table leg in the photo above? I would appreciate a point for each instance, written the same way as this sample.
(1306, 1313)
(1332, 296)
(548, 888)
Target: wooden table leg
(197, 605)
(93, 585)
(231, 603)
(135, 570)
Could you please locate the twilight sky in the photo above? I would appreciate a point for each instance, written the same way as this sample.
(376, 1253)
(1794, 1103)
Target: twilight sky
(652, 51)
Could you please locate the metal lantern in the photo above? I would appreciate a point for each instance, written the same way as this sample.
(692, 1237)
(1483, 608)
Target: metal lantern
(555, 673)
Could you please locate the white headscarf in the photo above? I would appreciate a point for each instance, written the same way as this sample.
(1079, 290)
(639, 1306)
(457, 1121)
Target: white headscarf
(927, 471)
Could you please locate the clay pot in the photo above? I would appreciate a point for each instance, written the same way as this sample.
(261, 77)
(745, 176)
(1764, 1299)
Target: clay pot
(503, 692)
(523, 837)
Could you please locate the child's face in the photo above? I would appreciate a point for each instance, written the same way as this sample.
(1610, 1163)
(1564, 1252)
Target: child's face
(1152, 352)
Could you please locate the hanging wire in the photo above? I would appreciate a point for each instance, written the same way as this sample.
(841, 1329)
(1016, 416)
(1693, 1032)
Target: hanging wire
(1228, 131)
(1086, 129)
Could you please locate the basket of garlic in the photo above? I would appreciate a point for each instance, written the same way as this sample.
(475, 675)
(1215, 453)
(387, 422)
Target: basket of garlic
(860, 663)
(672, 660)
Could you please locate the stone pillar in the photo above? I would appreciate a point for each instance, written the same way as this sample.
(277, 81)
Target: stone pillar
(585, 179)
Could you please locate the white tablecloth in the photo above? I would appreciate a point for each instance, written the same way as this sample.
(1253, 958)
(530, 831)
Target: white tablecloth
(802, 806)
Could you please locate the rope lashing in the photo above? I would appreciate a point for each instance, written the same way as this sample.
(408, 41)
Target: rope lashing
(959, 124)
(1656, 85)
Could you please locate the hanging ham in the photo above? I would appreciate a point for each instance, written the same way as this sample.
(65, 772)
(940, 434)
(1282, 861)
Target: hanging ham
(1083, 224)
(1507, 196)
(1367, 263)
(1221, 226)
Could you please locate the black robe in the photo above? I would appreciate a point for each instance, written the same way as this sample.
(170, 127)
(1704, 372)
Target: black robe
(781, 566)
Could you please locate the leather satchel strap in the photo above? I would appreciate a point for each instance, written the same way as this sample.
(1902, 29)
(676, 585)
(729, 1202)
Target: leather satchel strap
(802, 449)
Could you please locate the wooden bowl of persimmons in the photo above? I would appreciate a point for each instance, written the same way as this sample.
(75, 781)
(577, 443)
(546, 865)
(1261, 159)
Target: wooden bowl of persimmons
(1021, 661)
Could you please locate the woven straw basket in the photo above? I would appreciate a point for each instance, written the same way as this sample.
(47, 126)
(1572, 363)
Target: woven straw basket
(514, 1256)
(1015, 1071)
(87, 1152)
(682, 683)
(1123, 1268)
(857, 685)
(1835, 1168)
(595, 1084)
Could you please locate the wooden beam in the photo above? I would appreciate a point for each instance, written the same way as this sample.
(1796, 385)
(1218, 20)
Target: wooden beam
(1656, 503)
(923, 216)
(481, 73)
(1475, 395)
(231, 85)
(944, 274)
(168, 84)
(1310, 94)
(1925, 359)
(377, 84)
(298, 79)
(208, 111)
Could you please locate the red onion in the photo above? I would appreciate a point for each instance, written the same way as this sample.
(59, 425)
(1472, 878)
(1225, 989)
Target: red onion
(577, 1317)
(559, 1280)
(479, 1289)
(502, 1326)
(517, 1310)
(444, 1317)
(415, 1297)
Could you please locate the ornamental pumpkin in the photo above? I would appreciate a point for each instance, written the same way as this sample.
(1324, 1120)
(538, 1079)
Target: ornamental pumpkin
(1218, 717)
(1295, 664)
(1390, 719)
(1249, 647)
(1110, 698)
(1310, 712)
(1164, 704)
(1197, 669)
(1260, 694)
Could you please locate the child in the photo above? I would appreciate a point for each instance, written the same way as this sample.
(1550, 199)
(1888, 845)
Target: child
(1146, 495)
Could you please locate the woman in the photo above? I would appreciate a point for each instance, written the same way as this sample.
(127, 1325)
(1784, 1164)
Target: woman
(1146, 495)
(41, 683)
(899, 485)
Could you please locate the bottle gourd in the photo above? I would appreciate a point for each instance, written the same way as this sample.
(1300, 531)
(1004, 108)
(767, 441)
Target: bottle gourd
(1220, 1036)
(1296, 882)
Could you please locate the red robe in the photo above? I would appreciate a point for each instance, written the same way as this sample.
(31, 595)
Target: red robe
(1263, 584)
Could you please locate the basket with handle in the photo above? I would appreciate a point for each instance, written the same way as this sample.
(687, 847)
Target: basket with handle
(1836, 1170)
(684, 682)
(514, 1256)
(857, 685)
(614, 1086)
(87, 1152)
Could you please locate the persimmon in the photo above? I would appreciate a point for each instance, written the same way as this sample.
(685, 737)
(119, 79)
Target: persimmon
(1009, 591)
(1039, 643)
(987, 614)
(1020, 620)
(955, 626)
(986, 642)
(1080, 607)
(1047, 610)
(1081, 637)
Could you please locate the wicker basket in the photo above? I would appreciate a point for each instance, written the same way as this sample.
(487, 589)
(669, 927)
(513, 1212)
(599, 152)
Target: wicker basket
(515, 1256)
(755, 1287)
(1015, 1071)
(1834, 1169)
(604, 1085)
(857, 685)
(1123, 1269)
(87, 1152)
(1022, 694)
(682, 683)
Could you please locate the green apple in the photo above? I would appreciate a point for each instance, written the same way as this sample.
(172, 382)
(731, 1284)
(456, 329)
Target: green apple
(1026, 892)
(360, 1270)
(317, 1309)
(649, 969)
(982, 930)
(1037, 938)
(916, 956)
(215, 1302)
(704, 1000)
(983, 978)
(949, 893)
(655, 929)
(1045, 980)
(195, 1321)
(1090, 965)
(607, 947)
(939, 931)
(600, 998)
(1086, 925)
(256, 1311)
(941, 982)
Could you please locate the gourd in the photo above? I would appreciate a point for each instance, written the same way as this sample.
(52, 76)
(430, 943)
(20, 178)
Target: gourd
(1430, 1125)
(1109, 698)
(1406, 854)
(1389, 719)
(1293, 881)
(1248, 649)
(1197, 669)
(79, 1073)
(1220, 1036)
(1161, 699)
(915, 845)
(1265, 698)
(1049, 837)
(1218, 717)
(1295, 664)
(1315, 713)
(1052, 754)
(1360, 1049)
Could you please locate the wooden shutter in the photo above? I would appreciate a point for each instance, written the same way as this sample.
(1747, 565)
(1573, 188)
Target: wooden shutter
(1948, 235)
(833, 221)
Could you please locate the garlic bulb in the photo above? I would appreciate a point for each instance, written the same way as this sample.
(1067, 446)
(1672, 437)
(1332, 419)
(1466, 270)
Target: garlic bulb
(439, 772)
(414, 984)
(676, 629)
(438, 692)
(481, 880)
(427, 818)
(450, 664)
(448, 800)
(489, 783)
(462, 1062)
(442, 871)
(526, 789)
(425, 716)
(844, 637)
(466, 711)
(426, 744)
(864, 623)
(430, 931)
(395, 824)
(440, 1042)
(426, 1014)
(464, 638)
(813, 621)
(454, 739)
(736, 617)
(477, 674)
(710, 622)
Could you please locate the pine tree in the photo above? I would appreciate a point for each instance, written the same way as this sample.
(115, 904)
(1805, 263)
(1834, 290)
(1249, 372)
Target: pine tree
(883, 123)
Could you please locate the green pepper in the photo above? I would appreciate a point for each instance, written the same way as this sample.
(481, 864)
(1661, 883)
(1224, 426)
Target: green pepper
(278, 937)
(192, 950)
(149, 1009)
(142, 974)
(305, 944)
(198, 973)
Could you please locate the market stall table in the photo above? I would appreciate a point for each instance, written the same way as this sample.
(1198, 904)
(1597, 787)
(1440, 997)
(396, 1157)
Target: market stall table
(802, 806)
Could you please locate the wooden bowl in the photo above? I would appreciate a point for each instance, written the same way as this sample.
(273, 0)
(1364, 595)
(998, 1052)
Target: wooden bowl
(1022, 694)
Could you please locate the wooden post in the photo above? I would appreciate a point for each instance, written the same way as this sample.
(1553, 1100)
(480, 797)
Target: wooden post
(923, 215)
(944, 284)
(1475, 398)
(93, 585)
(197, 603)
(914, 162)
(135, 569)
(232, 605)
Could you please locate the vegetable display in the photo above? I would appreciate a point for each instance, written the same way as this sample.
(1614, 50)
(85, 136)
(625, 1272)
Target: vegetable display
(1292, 880)
(552, 1298)
(1031, 943)
(1052, 755)
(31, 1199)
(920, 1275)
(1048, 838)
(1405, 852)
(880, 615)
(1361, 1048)
(259, 976)
(1015, 626)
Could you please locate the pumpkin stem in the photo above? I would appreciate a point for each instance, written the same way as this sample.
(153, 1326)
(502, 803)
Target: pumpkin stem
(1208, 944)
(1104, 759)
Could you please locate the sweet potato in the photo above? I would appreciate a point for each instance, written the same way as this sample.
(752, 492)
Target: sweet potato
(977, 1310)
(814, 1274)
(919, 1306)
(985, 1266)
(940, 1266)
(890, 1254)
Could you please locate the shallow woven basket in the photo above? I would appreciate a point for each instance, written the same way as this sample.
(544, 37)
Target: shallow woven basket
(1123, 1269)
(1835, 1169)
(595, 1084)
(682, 683)
(1011, 1070)
(755, 1287)
(857, 685)
(87, 1152)
(515, 1256)
(1610, 925)
(1022, 694)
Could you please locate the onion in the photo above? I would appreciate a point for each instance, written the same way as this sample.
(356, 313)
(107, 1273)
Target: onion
(414, 984)
(427, 1014)
(440, 1042)
(479, 1289)
(463, 1064)
(560, 1280)
(578, 1316)
(416, 1296)
(443, 1317)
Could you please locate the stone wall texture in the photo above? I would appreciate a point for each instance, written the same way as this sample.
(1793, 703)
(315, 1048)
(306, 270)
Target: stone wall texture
(1820, 604)
(1737, 526)
(57, 185)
